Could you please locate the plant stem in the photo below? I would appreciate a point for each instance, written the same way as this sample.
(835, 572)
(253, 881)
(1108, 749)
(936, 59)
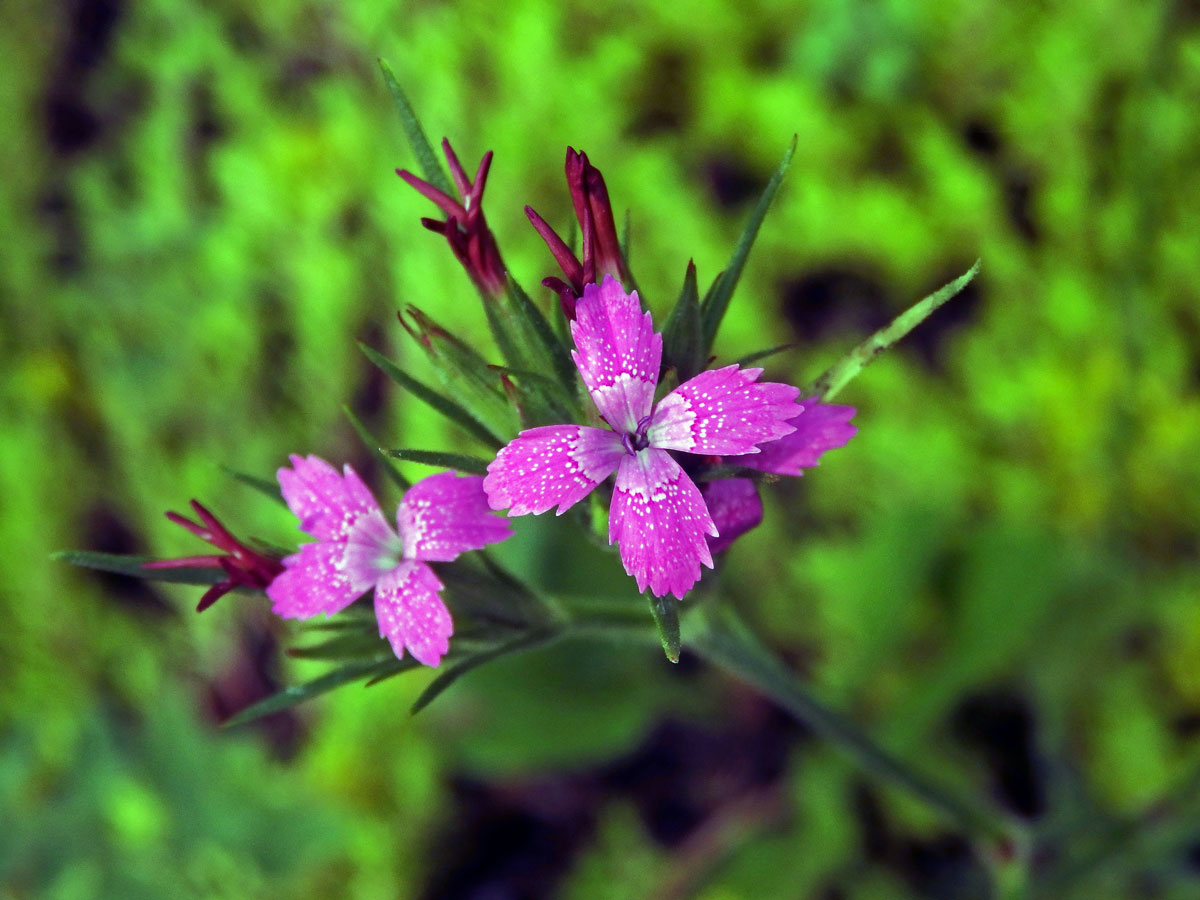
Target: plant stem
(728, 644)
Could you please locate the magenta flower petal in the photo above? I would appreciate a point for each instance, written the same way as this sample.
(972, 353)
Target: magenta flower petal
(552, 465)
(617, 353)
(411, 614)
(821, 427)
(735, 508)
(723, 411)
(313, 581)
(326, 503)
(444, 515)
(660, 522)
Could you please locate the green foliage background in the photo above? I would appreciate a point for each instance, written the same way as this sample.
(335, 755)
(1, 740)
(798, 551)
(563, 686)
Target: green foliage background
(200, 218)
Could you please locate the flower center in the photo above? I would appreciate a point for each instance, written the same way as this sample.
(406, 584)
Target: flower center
(638, 439)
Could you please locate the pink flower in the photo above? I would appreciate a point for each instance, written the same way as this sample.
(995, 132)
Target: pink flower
(734, 502)
(657, 517)
(440, 517)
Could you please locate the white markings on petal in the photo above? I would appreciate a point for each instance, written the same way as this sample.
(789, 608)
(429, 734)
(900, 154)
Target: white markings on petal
(549, 466)
(444, 515)
(660, 522)
(617, 353)
(723, 411)
(411, 614)
(313, 581)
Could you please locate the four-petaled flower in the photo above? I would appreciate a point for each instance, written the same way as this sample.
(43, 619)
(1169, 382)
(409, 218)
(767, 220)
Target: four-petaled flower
(440, 517)
(243, 566)
(657, 517)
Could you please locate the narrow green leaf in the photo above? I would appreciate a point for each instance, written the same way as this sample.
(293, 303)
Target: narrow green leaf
(122, 564)
(266, 486)
(716, 301)
(292, 696)
(683, 346)
(373, 445)
(430, 165)
(546, 352)
(472, 465)
(447, 407)
(847, 368)
(764, 354)
(462, 667)
(361, 642)
(666, 617)
(474, 382)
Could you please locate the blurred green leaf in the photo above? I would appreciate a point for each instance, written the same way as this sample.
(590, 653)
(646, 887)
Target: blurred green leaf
(470, 464)
(268, 487)
(430, 165)
(122, 564)
(447, 407)
(716, 301)
(289, 697)
(462, 667)
(375, 447)
(765, 354)
(462, 370)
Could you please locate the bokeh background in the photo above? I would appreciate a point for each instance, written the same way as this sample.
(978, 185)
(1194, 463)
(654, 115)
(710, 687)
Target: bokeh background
(997, 577)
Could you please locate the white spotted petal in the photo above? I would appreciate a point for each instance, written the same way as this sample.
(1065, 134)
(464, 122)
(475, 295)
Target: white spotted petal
(554, 465)
(660, 522)
(726, 412)
(411, 614)
(617, 353)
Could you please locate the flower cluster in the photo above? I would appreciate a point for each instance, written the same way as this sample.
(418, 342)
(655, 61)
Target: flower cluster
(668, 514)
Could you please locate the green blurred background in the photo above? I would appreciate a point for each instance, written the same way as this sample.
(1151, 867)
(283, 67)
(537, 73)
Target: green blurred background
(997, 577)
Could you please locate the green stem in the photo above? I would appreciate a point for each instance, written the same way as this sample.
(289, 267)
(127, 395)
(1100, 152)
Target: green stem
(728, 644)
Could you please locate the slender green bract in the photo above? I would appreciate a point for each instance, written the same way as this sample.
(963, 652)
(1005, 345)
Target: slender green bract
(846, 369)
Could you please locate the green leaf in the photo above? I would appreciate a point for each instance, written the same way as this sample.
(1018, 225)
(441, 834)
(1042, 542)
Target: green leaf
(427, 160)
(122, 564)
(470, 464)
(545, 351)
(541, 400)
(289, 697)
(363, 641)
(716, 301)
(764, 354)
(683, 344)
(462, 667)
(372, 443)
(461, 369)
(666, 617)
(490, 596)
(849, 366)
(447, 407)
(267, 486)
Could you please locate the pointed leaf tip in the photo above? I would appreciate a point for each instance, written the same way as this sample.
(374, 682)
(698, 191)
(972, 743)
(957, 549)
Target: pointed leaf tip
(666, 617)
(431, 166)
(716, 301)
